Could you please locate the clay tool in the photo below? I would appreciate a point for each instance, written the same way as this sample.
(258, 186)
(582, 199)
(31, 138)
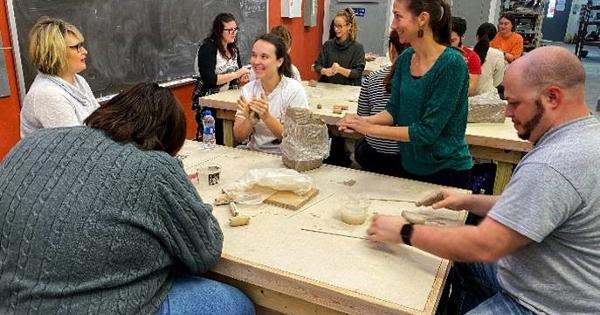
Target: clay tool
(394, 200)
(233, 209)
(332, 233)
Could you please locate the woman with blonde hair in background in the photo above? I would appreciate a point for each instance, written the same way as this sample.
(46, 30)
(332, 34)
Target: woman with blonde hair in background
(59, 96)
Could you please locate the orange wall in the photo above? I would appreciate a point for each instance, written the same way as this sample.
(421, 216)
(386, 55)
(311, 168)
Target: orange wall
(305, 49)
(306, 41)
(184, 95)
(9, 106)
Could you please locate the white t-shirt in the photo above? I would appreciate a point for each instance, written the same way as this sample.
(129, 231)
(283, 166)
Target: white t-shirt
(288, 93)
(492, 72)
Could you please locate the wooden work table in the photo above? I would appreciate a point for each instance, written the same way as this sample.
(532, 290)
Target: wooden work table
(498, 142)
(285, 268)
(378, 63)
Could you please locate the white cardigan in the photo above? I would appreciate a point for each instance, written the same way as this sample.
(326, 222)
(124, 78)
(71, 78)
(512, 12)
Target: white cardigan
(492, 72)
(53, 102)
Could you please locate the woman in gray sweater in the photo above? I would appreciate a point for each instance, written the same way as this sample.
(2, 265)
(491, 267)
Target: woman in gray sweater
(59, 96)
(342, 59)
(102, 219)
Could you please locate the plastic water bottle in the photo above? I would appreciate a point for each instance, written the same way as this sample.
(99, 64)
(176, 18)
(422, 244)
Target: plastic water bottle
(208, 130)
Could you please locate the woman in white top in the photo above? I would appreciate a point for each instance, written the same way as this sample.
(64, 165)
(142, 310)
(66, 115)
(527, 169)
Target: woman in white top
(492, 60)
(285, 35)
(58, 97)
(263, 102)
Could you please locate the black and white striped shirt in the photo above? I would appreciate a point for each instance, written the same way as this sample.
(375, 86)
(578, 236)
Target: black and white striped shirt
(372, 100)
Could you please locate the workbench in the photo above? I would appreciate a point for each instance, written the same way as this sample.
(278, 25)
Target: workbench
(378, 63)
(285, 268)
(497, 142)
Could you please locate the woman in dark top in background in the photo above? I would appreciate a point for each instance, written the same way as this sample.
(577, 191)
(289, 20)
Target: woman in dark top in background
(218, 63)
(342, 59)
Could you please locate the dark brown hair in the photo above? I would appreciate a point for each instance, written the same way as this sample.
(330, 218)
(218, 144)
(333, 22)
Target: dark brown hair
(485, 33)
(283, 33)
(394, 41)
(216, 34)
(511, 19)
(439, 17)
(280, 52)
(145, 114)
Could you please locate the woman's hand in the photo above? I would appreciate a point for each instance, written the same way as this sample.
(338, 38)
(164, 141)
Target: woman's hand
(327, 72)
(260, 106)
(385, 229)
(241, 71)
(335, 67)
(354, 123)
(243, 106)
(244, 79)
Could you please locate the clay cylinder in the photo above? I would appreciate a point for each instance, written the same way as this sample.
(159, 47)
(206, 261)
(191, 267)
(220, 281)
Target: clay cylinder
(239, 220)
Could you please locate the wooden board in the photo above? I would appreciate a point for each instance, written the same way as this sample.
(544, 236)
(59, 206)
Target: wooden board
(290, 200)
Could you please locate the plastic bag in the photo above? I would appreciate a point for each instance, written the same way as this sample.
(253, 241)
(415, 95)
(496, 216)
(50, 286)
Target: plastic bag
(281, 179)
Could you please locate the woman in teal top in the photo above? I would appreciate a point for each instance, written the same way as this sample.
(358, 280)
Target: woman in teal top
(427, 111)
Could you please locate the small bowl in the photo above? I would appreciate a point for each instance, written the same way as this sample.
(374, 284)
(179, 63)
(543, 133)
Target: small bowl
(354, 210)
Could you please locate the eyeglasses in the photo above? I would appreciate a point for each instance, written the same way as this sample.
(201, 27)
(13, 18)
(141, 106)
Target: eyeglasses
(231, 30)
(339, 26)
(77, 47)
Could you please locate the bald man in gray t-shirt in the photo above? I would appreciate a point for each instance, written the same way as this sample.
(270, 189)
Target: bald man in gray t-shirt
(537, 249)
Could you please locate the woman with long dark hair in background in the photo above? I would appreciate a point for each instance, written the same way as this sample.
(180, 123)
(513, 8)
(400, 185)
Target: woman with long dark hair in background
(492, 60)
(218, 63)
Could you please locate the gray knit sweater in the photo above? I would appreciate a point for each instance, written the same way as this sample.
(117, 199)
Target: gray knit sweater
(88, 225)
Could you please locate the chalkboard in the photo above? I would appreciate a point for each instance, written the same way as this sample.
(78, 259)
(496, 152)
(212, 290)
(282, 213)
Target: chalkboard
(130, 41)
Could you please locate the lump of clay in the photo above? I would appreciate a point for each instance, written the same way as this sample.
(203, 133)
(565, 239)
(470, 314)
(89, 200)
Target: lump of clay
(430, 199)
(486, 108)
(305, 140)
(352, 217)
(239, 220)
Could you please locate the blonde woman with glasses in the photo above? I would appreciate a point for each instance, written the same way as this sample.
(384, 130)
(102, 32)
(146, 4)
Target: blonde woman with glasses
(59, 96)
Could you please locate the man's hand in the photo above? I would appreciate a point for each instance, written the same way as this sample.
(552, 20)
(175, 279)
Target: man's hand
(445, 199)
(386, 229)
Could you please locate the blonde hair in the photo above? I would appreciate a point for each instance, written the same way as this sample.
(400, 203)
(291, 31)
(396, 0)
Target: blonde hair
(348, 15)
(48, 46)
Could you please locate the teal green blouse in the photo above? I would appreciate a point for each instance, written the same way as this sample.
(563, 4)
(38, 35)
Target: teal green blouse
(434, 108)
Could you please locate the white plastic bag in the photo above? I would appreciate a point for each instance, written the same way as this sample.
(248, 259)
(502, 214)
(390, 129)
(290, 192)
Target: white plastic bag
(282, 179)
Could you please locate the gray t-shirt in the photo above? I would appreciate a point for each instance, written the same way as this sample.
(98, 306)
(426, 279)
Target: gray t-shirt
(553, 199)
